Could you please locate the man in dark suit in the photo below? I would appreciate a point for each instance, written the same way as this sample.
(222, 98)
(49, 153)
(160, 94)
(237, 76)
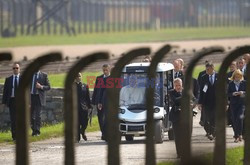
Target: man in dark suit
(99, 98)
(177, 69)
(207, 99)
(9, 94)
(83, 101)
(40, 84)
(174, 116)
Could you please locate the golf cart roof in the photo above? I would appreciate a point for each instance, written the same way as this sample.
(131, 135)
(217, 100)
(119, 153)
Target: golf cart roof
(143, 66)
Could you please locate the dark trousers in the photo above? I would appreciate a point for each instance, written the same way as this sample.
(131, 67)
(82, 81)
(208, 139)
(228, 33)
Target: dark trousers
(12, 109)
(237, 116)
(229, 116)
(209, 124)
(36, 108)
(83, 118)
(177, 137)
(101, 120)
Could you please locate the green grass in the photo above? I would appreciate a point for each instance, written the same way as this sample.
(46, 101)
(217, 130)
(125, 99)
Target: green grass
(48, 131)
(128, 37)
(57, 80)
(234, 156)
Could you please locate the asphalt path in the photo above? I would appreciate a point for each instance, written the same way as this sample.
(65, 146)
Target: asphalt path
(94, 151)
(116, 50)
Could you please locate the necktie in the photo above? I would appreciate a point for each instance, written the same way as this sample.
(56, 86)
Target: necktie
(15, 85)
(34, 84)
(211, 80)
(176, 74)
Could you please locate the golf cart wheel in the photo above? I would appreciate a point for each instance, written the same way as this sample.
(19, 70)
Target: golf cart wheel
(129, 137)
(171, 134)
(159, 131)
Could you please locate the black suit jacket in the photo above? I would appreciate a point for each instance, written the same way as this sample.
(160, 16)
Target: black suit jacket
(207, 98)
(44, 81)
(7, 91)
(202, 73)
(103, 94)
(236, 100)
(175, 101)
(96, 93)
(83, 96)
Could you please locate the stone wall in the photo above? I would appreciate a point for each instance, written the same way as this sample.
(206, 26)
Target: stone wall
(52, 113)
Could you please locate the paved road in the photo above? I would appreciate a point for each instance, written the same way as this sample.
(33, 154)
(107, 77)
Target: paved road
(117, 49)
(94, 151)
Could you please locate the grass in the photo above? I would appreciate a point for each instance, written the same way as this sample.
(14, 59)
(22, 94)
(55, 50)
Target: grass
(57, 80)
(47, 132)
(169, 34)
(234, 156)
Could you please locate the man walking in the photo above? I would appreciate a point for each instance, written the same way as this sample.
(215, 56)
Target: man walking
(40, 84)
(99, 98)
(9, 94)
(207, 99)
(83, 104)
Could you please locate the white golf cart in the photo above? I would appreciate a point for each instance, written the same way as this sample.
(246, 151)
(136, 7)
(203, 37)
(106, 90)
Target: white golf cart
(132, 114)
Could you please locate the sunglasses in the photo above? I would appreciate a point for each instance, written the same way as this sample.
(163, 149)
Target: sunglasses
(15, 68)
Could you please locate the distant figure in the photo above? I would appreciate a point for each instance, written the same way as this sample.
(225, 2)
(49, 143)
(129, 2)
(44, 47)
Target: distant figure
(232, 68)
(246, 57)
(9, 95)
(236, 93)
(207, 99)
(174, 116)
(40, 84)
(99, 98)
(83, 102)
(182, 64)
(177, 69)
(132, 94)
(240, 65)
(147, 58)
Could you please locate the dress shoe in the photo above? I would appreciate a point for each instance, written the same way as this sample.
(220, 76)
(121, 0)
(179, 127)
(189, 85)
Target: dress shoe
(236, 140)
(240, 138)
(84, 137)
(103, 138)
(210, 137)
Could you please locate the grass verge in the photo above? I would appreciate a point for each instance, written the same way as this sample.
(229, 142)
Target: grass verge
(47, 132)
(234, 156)
(170, 34)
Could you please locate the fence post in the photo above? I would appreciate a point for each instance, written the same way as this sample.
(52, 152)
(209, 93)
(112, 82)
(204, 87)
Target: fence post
(185, 116)
(23, 113)
(70, 104)
(247, 121)
(113, 94)
(150, 149)
(220, 113)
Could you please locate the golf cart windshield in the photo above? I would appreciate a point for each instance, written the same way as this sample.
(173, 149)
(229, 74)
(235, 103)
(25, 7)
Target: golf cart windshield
(133, 91)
